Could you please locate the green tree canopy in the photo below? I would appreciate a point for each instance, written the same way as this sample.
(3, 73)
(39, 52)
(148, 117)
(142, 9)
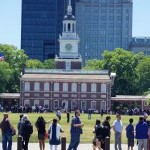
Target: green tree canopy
(5, 75)
(94, 65)
(143, 73)
(49, 64)
(123, 62)
(34, 64)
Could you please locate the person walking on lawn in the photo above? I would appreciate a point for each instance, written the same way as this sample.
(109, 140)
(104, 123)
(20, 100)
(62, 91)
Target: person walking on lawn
(76, 131)
(6, 128)
(141, 134)
(118, 127)
(130, 134)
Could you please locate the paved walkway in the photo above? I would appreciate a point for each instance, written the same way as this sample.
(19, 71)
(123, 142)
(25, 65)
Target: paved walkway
(35, 146)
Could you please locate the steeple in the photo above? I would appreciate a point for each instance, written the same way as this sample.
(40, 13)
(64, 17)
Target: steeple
(69, 9)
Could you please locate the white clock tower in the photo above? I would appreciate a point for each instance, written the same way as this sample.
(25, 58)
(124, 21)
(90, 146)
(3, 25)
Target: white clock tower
(69, 57)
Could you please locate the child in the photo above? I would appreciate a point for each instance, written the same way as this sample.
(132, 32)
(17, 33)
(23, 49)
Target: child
(130, 134)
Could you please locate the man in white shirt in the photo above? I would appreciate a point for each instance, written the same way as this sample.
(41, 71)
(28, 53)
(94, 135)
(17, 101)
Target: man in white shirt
(118, 127)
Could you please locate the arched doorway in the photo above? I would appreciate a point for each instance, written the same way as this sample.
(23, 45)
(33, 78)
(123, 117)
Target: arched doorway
(65, 104)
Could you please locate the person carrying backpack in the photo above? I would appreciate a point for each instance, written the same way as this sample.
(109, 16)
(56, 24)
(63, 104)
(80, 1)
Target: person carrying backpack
(7, 132)
(26, 130)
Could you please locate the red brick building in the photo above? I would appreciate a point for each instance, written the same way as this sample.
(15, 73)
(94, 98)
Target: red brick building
(75, 89)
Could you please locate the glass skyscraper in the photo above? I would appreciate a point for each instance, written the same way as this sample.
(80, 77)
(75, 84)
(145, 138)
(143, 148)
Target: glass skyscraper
(103, 25)
(41, 26)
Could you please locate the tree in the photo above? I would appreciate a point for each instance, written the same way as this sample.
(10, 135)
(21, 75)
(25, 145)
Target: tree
(123, 63)
(16, 59)
(5, 75)
(34, 64)
(94, 65)
(49, 64)
(143, 73)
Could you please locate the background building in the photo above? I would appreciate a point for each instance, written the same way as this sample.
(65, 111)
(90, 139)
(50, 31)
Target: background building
(103, 25)
(41, 26)
(141, 44)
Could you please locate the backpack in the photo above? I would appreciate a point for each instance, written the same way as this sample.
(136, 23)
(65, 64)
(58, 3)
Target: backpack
(27, 128)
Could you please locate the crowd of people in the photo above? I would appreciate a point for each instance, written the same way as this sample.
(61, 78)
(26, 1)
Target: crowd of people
(101, 130)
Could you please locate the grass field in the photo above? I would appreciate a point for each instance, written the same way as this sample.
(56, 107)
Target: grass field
(87, 135)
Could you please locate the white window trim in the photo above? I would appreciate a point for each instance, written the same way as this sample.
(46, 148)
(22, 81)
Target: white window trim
(74, 87)
(46, 86)
(104, 105)
(92, 105)
(26, 86)
(56, 87)
(84, 87)
(145, 103)
(103, 88)
(36, 86)
(46, 102)
(82, 105)
(54, 103)
(65, 87)
(72, 103)
(93, 87)
(26, 102)
(36, 102)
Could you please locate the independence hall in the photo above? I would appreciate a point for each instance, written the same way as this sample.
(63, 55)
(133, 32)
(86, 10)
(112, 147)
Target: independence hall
(67, 87)
(55, 89)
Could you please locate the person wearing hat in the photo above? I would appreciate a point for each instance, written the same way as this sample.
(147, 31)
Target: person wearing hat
(118, 127)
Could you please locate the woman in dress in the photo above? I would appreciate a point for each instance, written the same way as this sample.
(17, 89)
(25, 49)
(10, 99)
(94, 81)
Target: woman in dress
(40, 125)
(54, 134)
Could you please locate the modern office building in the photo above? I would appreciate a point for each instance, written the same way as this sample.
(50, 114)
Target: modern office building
(41, 26)
(103, 25)
(141, 44)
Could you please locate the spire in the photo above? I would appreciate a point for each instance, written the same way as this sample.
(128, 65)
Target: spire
(69, 9)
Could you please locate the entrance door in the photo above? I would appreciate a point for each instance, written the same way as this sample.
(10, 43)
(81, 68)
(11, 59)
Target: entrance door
(65, 104)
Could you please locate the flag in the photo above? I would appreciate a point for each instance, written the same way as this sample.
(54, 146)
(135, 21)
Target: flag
(1, 57)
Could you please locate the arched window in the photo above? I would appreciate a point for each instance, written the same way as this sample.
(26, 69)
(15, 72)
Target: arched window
(36, 102)
(83, 105)
(46, 103)
(69, 27)
(26, 102)
(73, 105)
(55, 104)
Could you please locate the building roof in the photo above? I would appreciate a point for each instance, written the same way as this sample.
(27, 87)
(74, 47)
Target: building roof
(130, 97)
(10, 95)
(61, 71)
(68, 77)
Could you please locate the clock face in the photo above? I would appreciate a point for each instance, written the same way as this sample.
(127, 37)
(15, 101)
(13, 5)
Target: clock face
(68, 47)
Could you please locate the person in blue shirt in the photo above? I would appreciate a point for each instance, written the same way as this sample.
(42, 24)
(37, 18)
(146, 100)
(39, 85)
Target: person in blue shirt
(76, 131)
(141, 133)
(130, 134)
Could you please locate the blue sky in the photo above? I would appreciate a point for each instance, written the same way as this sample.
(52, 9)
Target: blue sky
(10, 20)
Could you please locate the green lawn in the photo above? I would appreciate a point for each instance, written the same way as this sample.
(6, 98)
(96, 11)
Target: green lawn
(87, 130)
